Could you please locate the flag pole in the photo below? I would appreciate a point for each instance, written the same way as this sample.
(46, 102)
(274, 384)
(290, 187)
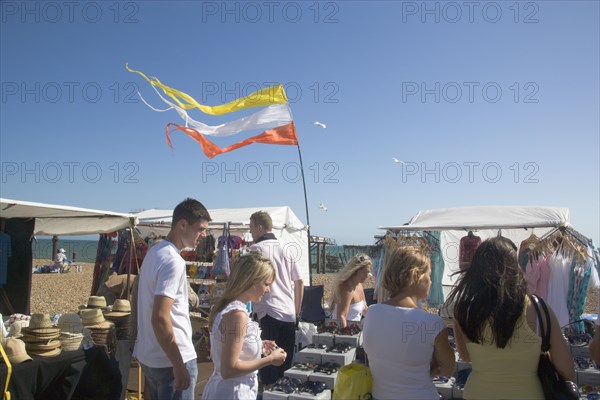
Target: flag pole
(305, 197)
(307, 217)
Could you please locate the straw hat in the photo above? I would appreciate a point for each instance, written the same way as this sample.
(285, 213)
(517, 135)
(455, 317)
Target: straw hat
(38, 321)
(42, 347)
(70, 323)
(94, 302)
(15, 350)
(46, 353)
(120, 308)
(71, 341)
(94, 319)
(40, 327)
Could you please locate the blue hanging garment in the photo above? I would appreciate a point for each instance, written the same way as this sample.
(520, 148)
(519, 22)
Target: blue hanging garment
(221, 265)
(436, 292)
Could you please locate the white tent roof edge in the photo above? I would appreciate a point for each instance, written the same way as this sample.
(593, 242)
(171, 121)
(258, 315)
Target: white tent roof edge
(52, 219)
(486, 217)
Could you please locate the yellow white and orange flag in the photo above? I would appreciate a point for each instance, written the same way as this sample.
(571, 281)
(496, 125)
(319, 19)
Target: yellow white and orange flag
(275, 117)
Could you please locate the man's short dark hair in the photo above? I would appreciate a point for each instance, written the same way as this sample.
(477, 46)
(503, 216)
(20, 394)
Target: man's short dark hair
(190, 210)
(263, 219)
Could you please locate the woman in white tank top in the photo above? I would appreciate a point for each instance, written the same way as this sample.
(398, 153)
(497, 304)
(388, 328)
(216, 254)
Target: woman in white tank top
(236, 347)
(348, 300)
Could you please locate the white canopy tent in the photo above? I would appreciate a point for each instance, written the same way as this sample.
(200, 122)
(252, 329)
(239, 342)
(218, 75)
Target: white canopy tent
(288, 228)
(514, 222)
(29, 218)
(60, 220)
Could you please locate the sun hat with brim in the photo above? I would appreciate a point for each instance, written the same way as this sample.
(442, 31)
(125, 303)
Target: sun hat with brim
(95, 302)
(37, 347)
(15, 351)
(102, 326)
(71, 323)
(40, 321)
(69, 335)
(92, 317)
(71, 345)
(50, 353)
(120, 308)
(39, 335)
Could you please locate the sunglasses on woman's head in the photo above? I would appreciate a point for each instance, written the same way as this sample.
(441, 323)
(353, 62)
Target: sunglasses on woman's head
(362, 259)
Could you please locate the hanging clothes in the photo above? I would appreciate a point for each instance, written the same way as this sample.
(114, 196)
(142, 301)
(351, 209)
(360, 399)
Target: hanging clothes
(436, 292)
(205, 251)
(581, 274)
(467, 247)
(221, 265)
(558, 287)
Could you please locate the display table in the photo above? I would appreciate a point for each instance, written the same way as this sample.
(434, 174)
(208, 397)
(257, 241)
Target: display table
(88, 374)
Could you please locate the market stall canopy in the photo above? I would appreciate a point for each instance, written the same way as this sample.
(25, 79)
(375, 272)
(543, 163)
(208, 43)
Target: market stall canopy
(513, 222)
(60, 220)
(288, 228)
(486, 217)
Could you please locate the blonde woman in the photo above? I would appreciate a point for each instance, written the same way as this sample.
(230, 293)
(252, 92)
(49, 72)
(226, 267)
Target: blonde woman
(236, 346)
(348, 303)
(405, 344)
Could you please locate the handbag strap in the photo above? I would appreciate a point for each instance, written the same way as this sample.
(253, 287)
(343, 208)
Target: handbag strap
(537, 301)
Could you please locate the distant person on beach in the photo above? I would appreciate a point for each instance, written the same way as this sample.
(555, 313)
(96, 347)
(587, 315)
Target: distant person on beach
(405, 344)
(496, 327)
(164, 346)
(279, 309)
(348, 302)
(236, 347)
(60, 261)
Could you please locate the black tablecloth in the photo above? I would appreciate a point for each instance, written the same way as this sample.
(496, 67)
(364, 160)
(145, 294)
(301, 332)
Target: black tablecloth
(82, 374)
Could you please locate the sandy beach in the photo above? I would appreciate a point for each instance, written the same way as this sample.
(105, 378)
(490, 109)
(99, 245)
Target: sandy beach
(61, 293)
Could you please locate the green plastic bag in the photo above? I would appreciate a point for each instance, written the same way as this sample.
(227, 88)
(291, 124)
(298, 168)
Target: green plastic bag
(354, 382)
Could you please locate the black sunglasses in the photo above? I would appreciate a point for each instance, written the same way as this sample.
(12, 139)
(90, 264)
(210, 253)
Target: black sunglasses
(362, 259)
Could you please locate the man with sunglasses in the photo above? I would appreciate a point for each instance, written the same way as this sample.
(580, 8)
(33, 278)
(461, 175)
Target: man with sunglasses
(278, 310)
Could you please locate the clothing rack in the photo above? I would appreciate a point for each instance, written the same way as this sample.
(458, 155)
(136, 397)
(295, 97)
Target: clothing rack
(563, 240)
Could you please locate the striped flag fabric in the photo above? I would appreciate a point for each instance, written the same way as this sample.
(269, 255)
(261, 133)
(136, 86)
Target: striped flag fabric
(275, 117)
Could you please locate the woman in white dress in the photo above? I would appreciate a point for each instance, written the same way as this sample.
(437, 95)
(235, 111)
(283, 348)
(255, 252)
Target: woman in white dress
(236, 346)
(348, 303)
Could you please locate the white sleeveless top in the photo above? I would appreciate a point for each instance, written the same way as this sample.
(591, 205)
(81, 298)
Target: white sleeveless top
(241, 387)
(354, 311)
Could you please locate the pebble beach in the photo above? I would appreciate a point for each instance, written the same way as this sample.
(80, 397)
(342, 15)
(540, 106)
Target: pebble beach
(61, 293)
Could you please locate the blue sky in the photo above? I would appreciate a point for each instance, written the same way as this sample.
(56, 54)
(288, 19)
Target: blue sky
(486, 103)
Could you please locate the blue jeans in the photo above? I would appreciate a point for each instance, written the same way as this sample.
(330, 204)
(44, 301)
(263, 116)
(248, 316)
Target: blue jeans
(162, 382)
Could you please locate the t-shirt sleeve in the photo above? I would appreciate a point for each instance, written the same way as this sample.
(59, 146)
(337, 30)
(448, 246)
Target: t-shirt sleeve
(436, 323)
(295, 269)
(168, 278)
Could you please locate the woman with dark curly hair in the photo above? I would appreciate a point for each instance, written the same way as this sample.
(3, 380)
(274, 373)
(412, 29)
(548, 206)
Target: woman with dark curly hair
(495, 327)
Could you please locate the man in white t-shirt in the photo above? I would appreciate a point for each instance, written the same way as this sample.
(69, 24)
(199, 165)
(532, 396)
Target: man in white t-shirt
(164, 346)
(278, 309)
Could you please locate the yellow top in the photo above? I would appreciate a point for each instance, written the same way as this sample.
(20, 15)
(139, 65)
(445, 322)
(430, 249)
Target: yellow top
(508, 373)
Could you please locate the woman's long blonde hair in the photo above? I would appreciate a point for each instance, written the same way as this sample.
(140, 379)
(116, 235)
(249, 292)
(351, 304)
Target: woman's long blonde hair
(250, 269)
(357, 262)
